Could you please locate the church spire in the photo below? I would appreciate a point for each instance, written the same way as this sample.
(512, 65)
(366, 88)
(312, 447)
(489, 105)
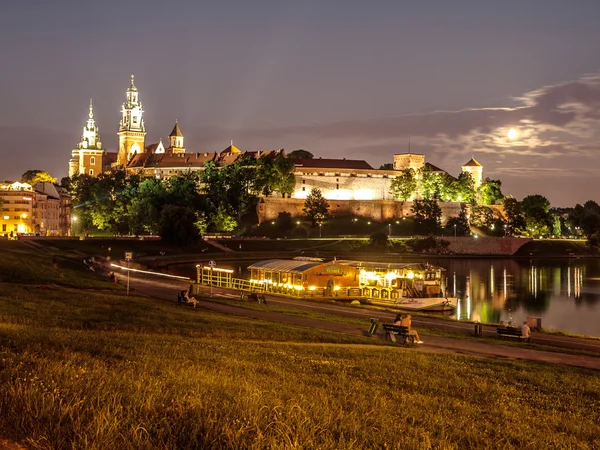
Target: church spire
(90, 138)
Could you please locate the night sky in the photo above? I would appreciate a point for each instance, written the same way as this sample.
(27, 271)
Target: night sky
(352, 79)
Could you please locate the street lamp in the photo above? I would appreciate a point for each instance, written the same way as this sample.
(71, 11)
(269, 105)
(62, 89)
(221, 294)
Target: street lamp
(389, 229)
(320, 226)
(454, 230)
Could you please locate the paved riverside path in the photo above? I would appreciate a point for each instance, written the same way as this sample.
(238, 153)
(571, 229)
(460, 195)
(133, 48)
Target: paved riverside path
(167, 289)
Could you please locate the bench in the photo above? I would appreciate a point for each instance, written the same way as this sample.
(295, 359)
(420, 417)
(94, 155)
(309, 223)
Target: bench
(399, 331)
(511, 333)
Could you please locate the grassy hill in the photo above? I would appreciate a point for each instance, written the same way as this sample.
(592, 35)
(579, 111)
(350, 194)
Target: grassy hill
(84, 366)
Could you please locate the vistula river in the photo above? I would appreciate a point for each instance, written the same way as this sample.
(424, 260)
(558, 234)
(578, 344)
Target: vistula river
(564, 293)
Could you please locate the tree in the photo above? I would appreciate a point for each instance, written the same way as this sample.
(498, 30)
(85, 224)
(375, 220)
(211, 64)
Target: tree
(587, 219)
(490, 192)
(177, 226)
(387, 166)
(458, 225)
(284, 221)
(427, 216)
(465, 188)
(34, 177)
(536, 211)
(404, 186)
(224, 220)
(378, 239)
(283, 179)
(515, 220)
(316, 207)
(300, 154)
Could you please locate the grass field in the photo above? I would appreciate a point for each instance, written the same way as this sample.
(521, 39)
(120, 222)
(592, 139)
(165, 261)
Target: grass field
(83, 366)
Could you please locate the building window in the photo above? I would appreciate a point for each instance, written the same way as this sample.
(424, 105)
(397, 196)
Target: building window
(91, 171)
(337, 186)
(303, 181)
(92, 160)
(303, 189)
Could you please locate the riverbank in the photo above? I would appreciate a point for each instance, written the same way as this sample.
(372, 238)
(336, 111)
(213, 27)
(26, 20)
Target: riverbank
(136, 371)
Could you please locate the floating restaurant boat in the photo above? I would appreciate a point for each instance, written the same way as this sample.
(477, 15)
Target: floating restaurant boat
(408, 286)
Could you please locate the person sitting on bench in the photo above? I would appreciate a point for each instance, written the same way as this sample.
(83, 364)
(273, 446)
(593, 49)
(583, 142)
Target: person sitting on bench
(189, 300)
(397, 322)
(525, 331)
(406, 322)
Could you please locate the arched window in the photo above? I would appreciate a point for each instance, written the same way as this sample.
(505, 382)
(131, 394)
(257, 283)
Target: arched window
(92, 160)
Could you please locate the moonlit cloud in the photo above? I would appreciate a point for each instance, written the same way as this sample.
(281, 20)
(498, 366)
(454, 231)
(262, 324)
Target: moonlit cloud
(558, 135)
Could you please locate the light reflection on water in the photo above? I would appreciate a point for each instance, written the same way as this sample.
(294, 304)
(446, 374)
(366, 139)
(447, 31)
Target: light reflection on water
(564, 293)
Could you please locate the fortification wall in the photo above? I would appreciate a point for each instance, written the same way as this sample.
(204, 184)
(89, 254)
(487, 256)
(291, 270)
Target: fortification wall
(372, 209)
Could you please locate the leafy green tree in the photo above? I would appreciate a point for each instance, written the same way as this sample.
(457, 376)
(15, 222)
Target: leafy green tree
(536, 210)
(316, 207)
(515, 219)
(490, 192)
(465, 188)
(34, 177)
(587, 219)
(428, 186)
(283, 180)
(387, 166)
(177, 226)
(300, 154)
(458, 225)
(427, 215)
(404, 186)
(145, 208)
(224, 220)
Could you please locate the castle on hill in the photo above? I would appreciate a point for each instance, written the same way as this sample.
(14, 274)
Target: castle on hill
(353, 187)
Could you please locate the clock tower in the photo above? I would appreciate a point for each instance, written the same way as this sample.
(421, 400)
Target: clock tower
(132, 131)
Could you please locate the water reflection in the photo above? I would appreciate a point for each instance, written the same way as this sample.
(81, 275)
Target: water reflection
(565, 294)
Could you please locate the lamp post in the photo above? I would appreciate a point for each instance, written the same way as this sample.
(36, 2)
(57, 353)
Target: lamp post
(73, 220)
(389, 229)
(320, 227)
(454, 230)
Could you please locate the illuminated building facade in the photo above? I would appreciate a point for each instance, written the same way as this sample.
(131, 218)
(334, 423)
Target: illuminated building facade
(16, 208)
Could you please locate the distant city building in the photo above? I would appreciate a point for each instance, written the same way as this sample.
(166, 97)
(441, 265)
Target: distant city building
(16, 208)
(43, 210)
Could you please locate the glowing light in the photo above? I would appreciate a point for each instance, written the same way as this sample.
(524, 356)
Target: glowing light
(150, 273)
(364, 194)
(512, 134)
(336, 288)
(312, 288)
(24, 216)
(6, 217)
(410, 275)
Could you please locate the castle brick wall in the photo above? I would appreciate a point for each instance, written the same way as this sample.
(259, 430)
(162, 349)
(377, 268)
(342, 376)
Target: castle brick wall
(344, 186)
(378, 210)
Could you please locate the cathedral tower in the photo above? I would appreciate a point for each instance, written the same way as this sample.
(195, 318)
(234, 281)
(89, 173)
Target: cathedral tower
(132, 131)
(176, 140)
(86, 159)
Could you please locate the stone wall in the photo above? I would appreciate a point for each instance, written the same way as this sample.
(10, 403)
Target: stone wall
(379, 210)
(361, 185)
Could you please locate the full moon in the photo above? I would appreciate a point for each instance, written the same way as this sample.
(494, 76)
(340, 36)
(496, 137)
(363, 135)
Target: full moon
(512, 133)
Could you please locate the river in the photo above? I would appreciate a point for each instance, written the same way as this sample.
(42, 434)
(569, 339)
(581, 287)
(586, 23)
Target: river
(564, 293)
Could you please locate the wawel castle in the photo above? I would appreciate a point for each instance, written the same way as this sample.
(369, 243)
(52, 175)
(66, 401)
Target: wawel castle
(352, 187)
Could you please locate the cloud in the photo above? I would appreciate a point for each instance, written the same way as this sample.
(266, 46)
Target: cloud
(554, 122)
